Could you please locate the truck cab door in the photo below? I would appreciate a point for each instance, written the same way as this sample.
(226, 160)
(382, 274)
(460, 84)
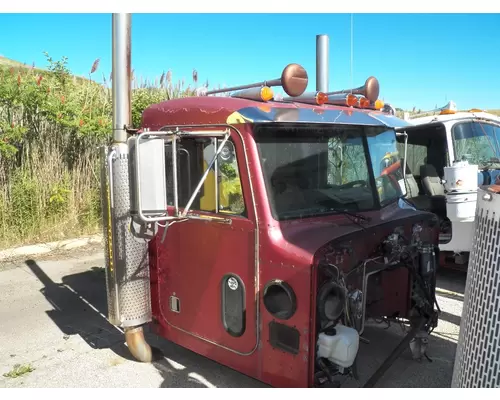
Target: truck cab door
(207, 268)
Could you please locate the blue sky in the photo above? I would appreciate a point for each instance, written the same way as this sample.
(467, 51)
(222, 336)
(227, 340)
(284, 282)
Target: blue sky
(421, 60)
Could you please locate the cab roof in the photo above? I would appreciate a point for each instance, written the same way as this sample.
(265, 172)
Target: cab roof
(461, 115)
(230, 110)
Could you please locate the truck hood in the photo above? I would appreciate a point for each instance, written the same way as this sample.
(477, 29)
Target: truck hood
(304, 237)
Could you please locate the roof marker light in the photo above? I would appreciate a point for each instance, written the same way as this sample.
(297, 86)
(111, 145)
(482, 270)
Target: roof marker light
(450, 108)
(321, 98)
(263, 93)
(364, 102)
(343, 99)
(316, 98)
(379, 105)
(351, 100)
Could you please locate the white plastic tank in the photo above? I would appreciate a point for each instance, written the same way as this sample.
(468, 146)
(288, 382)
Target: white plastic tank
(461, 177)
(460, 182)
(461, 207)
(340, 348)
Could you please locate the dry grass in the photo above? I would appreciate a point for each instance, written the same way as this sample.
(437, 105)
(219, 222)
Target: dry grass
(51, 126)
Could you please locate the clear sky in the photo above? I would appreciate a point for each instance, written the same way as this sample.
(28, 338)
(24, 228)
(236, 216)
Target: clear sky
(421, 60)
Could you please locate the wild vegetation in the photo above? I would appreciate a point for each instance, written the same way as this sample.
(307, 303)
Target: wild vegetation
(51, 125)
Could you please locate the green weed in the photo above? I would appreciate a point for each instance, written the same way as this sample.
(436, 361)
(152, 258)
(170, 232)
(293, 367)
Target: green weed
(51, 125)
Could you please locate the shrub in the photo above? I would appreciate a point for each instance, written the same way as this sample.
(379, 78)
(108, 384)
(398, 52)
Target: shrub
(51, 125)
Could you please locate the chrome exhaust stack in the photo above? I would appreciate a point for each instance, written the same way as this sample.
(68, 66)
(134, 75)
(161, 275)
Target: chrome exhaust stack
(322, 47)
(127, 262)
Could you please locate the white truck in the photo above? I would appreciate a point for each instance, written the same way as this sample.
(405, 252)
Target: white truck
(448, 156)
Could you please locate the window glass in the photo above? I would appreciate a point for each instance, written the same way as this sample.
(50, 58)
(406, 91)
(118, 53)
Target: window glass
(477, 142)
(193, 158)
(313, 170)
(416, 156)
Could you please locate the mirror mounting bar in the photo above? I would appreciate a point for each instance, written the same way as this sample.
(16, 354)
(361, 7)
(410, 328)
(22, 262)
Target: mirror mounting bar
(172, 136)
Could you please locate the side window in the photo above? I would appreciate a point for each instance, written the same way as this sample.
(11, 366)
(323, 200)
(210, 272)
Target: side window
(221, 195)
(416, 156)
(230, 192)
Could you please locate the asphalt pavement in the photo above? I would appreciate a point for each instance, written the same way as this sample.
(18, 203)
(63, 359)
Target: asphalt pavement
(53, 333)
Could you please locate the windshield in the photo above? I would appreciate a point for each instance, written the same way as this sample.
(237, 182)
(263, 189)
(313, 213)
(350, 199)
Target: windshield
(313, 170)
(478, 143)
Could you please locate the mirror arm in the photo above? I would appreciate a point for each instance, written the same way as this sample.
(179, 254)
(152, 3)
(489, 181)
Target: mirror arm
(174, 173)
(216, 180)
(406, 152)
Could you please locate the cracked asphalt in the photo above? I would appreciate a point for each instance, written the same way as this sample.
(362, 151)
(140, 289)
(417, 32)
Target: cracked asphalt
(53, 319)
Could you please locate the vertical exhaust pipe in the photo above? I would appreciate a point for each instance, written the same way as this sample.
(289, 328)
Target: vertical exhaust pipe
(122, 109)
(127, 267)
(322, 45)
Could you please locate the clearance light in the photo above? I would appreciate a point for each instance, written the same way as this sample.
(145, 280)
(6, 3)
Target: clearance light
(447, 111)
(266, 93)
(364, 102)
(343, 99)
(321, 98)
(450, 108)
(351, 100)
(315, 98)
(379, 104)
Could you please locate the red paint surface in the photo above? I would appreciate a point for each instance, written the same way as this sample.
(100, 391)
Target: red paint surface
(196, 255)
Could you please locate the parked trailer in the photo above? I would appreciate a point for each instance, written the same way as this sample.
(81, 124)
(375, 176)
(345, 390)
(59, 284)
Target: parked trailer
(259, 233)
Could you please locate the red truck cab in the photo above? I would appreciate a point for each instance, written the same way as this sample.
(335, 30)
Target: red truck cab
(288, 242)
(254, 230)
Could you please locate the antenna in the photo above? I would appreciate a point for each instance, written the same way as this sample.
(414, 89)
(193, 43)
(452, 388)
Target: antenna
(352, 49)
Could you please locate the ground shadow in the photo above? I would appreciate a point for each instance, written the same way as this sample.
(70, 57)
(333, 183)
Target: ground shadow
(80, 304)
(451, 280)
(81, 307)
(451, 318)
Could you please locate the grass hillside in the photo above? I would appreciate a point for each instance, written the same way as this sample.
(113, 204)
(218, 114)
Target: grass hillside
(51, 125)
(7, 62)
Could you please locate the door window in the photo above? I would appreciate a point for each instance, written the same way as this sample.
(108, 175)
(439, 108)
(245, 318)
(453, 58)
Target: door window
(221, 191)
